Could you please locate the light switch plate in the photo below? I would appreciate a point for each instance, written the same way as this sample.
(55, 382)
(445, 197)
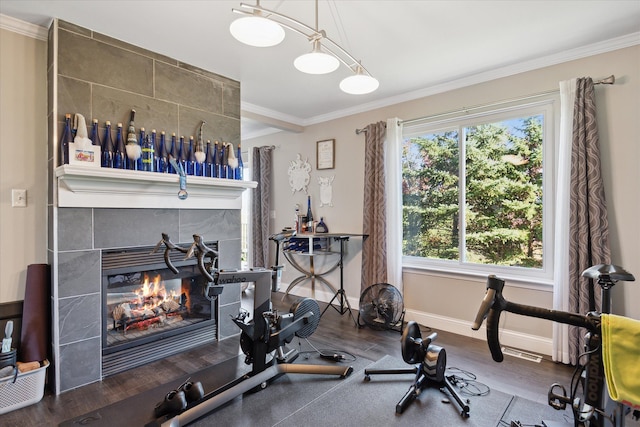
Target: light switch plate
(18, 198)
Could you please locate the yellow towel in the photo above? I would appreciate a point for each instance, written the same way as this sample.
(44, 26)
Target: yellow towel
(621, 358)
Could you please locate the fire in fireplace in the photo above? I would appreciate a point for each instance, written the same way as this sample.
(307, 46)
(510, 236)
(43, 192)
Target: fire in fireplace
(149, 309)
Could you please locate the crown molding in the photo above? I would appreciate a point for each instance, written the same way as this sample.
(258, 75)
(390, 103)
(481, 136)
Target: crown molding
(621, 42)
(24, 28)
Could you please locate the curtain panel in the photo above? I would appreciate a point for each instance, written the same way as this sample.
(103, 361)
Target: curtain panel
(582, 229)
(374, 220)
(261, 165)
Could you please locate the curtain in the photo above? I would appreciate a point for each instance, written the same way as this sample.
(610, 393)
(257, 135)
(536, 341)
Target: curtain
(374, 247)
(393, 151)
(561, 226)
(588, 228)
(261, 205)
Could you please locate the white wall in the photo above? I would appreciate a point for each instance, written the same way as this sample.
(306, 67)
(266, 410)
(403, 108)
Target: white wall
(450, 303)
(23, 159)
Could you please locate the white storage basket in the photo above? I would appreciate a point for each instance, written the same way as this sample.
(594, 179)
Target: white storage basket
(27, 390)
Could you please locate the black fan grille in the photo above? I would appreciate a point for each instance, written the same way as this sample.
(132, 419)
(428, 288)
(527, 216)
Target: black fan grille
(381, 306)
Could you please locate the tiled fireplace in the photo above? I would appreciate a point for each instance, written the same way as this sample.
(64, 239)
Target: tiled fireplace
(148, 310)
(85, 236)
(92, 213)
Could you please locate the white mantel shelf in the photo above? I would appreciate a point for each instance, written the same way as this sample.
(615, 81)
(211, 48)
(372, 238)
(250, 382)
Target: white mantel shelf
(93, 187)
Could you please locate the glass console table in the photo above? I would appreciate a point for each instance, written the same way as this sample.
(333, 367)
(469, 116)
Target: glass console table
(309, 246)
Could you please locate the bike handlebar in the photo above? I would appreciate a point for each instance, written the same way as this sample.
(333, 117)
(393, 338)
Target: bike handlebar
(197, 248)
(494, 304)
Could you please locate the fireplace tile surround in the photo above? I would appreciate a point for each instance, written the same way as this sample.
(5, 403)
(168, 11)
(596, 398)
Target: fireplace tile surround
(82, 235)
(98, 76)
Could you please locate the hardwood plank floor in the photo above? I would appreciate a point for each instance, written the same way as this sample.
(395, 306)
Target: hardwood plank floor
(335, 332)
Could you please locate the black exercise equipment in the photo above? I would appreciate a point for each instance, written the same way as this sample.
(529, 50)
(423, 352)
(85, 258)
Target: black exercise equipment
(593, 408)
(430, 372)
(262, 339)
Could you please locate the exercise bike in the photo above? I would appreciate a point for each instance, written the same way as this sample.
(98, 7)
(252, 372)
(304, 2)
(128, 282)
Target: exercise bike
(263, 336)
(591, 408)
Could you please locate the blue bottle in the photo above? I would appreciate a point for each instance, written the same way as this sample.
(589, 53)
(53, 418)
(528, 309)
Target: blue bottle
(173, 152)
(161, 154)
(65, 139)
(107, 147)
(216, 160)
(182, 153)
(119, 156)
(223, 161)
(208, 161)
(95, 134)
(239, 172)
(190, 161)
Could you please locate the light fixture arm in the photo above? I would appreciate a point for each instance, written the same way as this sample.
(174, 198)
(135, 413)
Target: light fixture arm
(310, 33)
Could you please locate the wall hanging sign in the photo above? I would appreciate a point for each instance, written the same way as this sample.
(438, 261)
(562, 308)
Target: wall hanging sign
(325, 154)
(299, 174)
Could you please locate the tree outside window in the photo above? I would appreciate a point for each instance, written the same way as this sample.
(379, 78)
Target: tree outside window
(499, 182)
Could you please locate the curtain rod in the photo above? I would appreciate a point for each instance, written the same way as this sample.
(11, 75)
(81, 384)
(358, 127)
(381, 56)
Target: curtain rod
(606, 81)
(359, 131)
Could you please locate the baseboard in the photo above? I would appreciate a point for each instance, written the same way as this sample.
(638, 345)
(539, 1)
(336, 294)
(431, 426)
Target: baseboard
(532, 343)
(320, 295)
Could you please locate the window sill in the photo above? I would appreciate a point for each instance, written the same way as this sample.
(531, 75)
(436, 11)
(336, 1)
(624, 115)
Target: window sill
(451, 272)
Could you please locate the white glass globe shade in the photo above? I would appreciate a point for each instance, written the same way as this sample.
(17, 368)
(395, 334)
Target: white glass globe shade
(257, 31)
(359, 84)
(316, 63)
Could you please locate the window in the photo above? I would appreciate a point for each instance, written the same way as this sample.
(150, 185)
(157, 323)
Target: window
(476, 192)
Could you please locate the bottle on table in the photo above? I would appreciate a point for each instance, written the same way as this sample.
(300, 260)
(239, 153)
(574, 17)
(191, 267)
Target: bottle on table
(309, 216)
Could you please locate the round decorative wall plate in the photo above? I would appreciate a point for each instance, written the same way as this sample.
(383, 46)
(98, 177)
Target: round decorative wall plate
(299, 174)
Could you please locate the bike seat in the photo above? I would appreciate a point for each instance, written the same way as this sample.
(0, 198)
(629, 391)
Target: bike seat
(608, 271)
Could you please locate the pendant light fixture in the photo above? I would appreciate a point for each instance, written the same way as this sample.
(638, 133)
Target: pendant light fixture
(360, 83)
(316, 62)
(256, 30)
(262, 28)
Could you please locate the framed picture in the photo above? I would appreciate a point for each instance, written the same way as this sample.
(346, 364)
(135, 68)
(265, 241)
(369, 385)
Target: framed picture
(89, 155)
(325, 154)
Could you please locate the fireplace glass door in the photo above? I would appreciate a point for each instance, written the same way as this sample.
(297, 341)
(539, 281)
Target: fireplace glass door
(144, 301)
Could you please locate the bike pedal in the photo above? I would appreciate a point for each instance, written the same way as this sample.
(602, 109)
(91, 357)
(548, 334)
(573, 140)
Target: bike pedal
(555, 400)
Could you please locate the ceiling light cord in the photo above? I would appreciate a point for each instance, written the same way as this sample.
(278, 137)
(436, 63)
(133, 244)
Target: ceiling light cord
(324, 57)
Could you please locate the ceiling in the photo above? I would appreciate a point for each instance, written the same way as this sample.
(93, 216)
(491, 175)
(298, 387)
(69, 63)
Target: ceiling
(412, 47)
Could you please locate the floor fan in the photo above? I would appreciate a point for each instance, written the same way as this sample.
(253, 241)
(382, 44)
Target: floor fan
(381, 307)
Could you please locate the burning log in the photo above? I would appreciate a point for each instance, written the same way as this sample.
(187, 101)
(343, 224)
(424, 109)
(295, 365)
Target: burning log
(142, 324)
(130, 315)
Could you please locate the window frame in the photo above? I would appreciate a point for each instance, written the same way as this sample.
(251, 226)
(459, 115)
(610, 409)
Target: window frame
(546, 105)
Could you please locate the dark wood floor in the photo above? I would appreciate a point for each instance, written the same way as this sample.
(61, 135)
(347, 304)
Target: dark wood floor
(335, 332)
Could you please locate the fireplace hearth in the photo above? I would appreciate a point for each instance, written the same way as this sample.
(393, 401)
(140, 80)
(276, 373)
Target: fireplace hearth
(149, 312)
